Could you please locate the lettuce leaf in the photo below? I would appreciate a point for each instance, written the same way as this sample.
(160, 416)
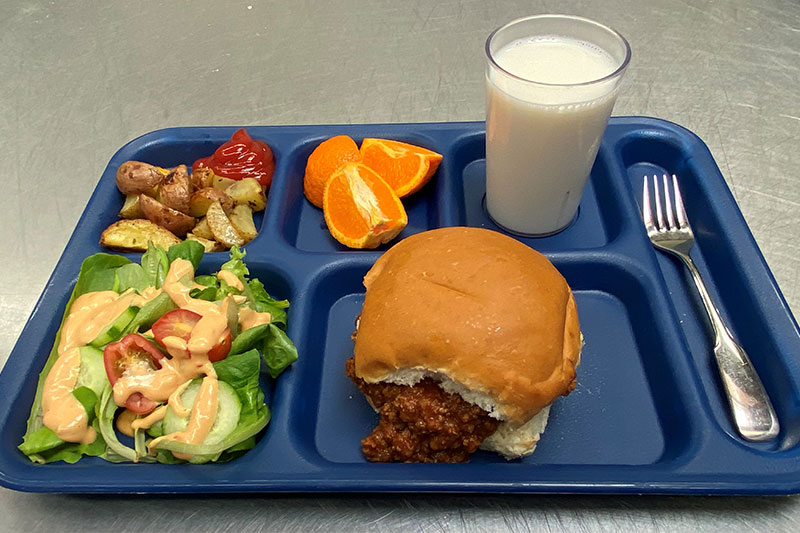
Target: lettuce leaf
(155, 264)
(262, 302)
(131, 276)
(150, 312)
(236, 264)
(192, 251)
(99, 272)
(249, 339)
(278, 351)
(241, 369)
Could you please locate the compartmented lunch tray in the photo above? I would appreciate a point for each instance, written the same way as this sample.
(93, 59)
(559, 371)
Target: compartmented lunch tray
(648, 415)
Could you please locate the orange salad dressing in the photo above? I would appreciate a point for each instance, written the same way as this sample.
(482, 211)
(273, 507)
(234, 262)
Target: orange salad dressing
(92, 312)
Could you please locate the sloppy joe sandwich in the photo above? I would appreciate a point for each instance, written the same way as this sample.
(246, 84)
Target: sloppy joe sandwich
(465, 339)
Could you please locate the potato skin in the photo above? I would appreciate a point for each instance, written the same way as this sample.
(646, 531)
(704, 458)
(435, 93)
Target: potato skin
(202, 199)
(176, 190)
(132, 236)
(202, 178)
(135, 177)
(166, 217)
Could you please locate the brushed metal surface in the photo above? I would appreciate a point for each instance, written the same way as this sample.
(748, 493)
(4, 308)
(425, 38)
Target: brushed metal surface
(79, 79)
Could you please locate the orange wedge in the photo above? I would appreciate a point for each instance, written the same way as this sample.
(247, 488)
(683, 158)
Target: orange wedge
(327, 157)
(405, 167)
(361, 210)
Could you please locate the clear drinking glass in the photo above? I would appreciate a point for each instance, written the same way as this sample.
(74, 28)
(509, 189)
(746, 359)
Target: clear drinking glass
(551, 83)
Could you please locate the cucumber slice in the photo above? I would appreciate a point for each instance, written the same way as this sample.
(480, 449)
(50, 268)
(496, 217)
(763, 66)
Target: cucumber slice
(115, 330)
(228, 409)
(93, 371)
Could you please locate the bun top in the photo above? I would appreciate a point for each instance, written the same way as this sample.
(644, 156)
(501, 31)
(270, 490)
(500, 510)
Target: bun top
(477, 307)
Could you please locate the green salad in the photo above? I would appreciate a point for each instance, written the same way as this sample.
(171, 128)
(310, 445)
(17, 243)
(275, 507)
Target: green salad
(167, 357)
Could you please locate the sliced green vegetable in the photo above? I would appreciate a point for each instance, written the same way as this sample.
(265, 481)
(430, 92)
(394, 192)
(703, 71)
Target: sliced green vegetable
(117, 452)
(116, 329)
(150, 312)
(139, 442)
(241, 373)
(242, 413)
(155, 264)
(240, 434)
(226, 417)
(93, 371)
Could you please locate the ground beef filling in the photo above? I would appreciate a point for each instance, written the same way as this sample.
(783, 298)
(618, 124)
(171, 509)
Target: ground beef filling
(421, 424)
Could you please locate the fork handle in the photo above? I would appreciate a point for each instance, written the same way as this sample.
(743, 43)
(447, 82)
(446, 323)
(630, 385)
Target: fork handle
(752, 410)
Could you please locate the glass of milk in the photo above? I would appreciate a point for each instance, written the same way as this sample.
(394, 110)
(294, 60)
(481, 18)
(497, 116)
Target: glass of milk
(551, 82)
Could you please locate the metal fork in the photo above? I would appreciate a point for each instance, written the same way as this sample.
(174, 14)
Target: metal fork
(751, 408)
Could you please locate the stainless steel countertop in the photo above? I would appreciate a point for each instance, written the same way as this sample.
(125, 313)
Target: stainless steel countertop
(79, 79)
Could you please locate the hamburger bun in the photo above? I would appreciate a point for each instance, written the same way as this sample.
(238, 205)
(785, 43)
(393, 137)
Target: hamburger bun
(482, 314)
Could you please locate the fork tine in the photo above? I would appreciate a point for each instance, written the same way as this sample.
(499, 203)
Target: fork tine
(659, 212)
(683, 222)
(647, 213)
(668, 203)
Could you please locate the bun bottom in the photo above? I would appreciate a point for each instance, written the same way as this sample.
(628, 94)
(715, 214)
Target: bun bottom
(513, 443)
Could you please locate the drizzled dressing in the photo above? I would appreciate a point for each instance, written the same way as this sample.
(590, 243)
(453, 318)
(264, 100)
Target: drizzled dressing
(92, 312)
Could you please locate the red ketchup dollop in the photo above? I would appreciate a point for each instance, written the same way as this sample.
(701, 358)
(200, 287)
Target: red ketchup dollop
(241, 157)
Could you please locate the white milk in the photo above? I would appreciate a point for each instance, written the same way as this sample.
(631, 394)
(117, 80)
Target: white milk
(541, 140)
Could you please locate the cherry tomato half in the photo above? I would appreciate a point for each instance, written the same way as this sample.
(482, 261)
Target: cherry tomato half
(241, 157)
(132, 350)
(180, 323)
(220, 350)
(177, 323)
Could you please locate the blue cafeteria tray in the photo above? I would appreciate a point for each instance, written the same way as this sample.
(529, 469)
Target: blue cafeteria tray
(648, 414)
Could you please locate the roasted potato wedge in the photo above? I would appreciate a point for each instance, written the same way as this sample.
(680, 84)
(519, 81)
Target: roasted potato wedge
(135, 177)
(166, 217)
(200, 200)
(221, 183)
(130, 209)
(221, 227)
(248, 192)
(242, 220)
(176, 190)
(202, 178)
(208, 244)
(132, 236)
(202, 229)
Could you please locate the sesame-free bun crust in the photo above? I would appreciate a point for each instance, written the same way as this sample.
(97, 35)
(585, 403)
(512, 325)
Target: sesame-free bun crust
(478, 307)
